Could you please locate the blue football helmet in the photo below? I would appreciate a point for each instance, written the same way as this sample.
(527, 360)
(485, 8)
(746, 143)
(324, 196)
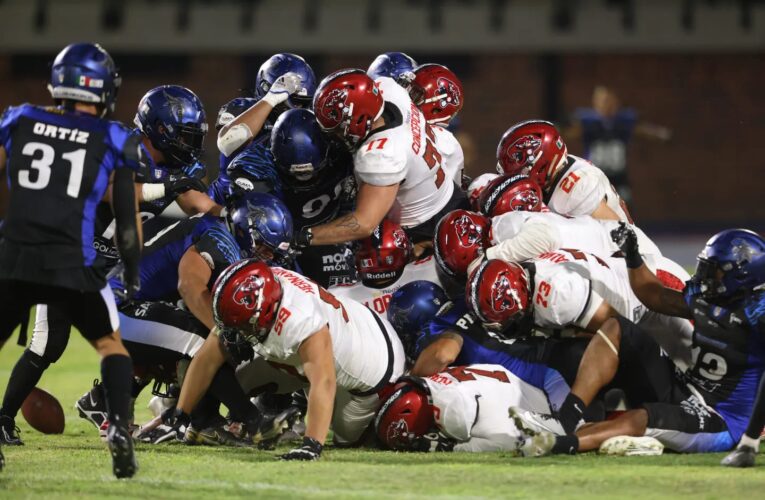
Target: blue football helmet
(391, 64)
(732, 262)
(173, 118)
(279, 64)
(262, 226)
(412, 306)
(299, 149)
(85, 72)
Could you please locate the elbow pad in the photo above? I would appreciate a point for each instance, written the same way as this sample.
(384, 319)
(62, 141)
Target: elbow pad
(234, 138)
(533, 239)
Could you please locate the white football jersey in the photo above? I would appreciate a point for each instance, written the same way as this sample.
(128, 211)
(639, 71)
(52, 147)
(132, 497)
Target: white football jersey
(472, 402)
(582, 232)
(378, 298)
(451, 154)
(570, 285)
(409, 154)
(359, 344)
(581, 189)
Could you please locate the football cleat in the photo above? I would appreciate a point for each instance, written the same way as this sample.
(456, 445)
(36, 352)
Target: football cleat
(273, 425)
(9, 433)
(538, 422)
(533, 441)
(742, 456)
(120, 444)
(92, 405)
(632, 446)
(219, 434)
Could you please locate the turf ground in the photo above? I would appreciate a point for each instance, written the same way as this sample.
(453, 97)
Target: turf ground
(76, 464)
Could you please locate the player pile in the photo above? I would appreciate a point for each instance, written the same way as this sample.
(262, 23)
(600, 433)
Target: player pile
(341, 249)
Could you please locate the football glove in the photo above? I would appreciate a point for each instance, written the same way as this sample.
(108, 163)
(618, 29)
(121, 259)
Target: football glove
(176, 187)
(177, 421)
(311, 450)
(283, 87)
(626, 239)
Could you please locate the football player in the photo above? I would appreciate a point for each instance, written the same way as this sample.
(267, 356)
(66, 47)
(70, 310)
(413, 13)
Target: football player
(385, 263)
(391, 141)
(182, 263)
(437, 91)
(171, 122)
(571, 185)
(284, 81)
(317, 184)
(708, 407)
(60, 161)
(346, 351)
(464, 408)
(395, 65)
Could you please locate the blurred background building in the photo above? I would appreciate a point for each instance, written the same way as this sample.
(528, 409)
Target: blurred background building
(690, 73)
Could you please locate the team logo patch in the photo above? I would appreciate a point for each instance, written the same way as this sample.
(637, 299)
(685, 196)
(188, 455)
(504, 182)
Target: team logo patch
(398, 432)
(524, 150)
(468, 233)
(742, 251)
(399, 238)
(503, 296)
(334, 106)
(448, 92)
(176, 105)
(526, 200)
(246, 294)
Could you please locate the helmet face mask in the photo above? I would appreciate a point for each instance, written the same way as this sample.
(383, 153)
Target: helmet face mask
(437, 92)
(262, 226)
(405, 416)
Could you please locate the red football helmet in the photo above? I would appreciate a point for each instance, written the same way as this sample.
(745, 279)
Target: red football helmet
(404, 416)
(532, 147)
(346, 104)
(498, 292)
(437, 92)
(510, 193)
(461, 237)
(476, 187)
(246, 296)
(382, 256)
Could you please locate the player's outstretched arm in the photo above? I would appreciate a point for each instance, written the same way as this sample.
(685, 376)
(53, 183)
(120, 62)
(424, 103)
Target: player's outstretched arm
(194, 202)
(438, 355)
(244, 127)
(202, 369)
(647, 287)
(319, 366)
(193, 276)
(372, 204)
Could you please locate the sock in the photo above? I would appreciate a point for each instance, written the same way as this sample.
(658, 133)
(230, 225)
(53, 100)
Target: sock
(117, 380)
(226, 389)
(571, 412)
(566, 445)
(750, 442)
(24, 377)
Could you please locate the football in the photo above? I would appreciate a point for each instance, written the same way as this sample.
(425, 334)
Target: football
(43, 412)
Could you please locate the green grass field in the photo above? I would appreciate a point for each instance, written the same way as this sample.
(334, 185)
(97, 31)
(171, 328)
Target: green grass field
(76, 464)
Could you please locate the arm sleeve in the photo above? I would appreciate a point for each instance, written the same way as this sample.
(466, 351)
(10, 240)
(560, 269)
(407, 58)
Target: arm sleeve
(381, 167)
(123, 202)
(533, 239)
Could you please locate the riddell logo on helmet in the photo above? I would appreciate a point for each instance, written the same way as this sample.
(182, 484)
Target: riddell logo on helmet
(334, 105)
(448, 92)
(503, 296)
(246, 294)
(469, 234)
(524, 150)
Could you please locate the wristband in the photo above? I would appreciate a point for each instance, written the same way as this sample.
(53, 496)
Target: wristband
(274, 98)
(151, 192)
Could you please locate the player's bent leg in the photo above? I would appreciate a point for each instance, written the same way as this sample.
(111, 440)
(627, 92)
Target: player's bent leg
(630, 423)
(689, 427)
(352, 416)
